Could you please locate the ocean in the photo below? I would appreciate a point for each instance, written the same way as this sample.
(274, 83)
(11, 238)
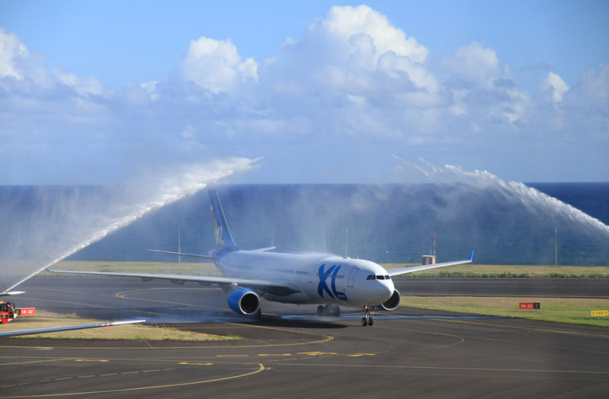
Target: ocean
(503, 224)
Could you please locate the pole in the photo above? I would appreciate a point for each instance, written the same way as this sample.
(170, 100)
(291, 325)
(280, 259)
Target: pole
(555, 246)
(346, 242)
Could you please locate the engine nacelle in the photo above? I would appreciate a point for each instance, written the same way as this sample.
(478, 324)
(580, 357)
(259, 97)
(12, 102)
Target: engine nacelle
(392, 303)
(244, 302)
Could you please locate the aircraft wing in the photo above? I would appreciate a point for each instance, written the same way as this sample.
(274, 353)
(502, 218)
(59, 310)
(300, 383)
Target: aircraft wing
(67, 328)
(412, 269)
(282, 288)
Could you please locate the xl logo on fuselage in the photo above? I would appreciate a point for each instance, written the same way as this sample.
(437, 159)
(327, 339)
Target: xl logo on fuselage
(323, 282)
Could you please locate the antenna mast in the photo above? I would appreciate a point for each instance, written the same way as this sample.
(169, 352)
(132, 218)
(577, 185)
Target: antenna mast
(346, 242)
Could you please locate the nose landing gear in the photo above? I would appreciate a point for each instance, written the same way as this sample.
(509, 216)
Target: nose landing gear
(367, 320)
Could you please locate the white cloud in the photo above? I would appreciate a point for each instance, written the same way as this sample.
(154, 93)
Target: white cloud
(354, 81)
(188, 132)
(476, 63)
(595, 83)
(12, 52)
(484, 91)
(343, 49)
(362, 30)
(82, 87)
(557, 87)
(215, 65)
(585, 108)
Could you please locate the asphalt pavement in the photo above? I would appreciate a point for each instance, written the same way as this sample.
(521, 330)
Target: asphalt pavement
(293, 353)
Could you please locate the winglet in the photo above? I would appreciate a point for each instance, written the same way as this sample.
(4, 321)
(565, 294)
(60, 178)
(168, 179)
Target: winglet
(7, 293)
(471, 256)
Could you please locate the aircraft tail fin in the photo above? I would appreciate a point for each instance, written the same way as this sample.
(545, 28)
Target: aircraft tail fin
(224, 239)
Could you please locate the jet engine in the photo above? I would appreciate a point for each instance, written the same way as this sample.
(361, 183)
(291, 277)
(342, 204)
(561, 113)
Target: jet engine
(245, 302)
(392, 303)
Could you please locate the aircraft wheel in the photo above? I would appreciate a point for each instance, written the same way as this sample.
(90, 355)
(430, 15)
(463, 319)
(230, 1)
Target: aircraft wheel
(364, 322)
(370, 321)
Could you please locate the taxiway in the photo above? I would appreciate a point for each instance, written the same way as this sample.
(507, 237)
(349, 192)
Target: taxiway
(291, 353)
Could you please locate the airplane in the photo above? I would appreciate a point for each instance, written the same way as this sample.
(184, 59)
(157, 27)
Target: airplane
(327, 280)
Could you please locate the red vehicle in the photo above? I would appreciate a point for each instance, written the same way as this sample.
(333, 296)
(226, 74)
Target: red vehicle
(8, 312)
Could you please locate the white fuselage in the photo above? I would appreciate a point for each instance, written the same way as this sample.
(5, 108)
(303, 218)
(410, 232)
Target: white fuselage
(320, 278)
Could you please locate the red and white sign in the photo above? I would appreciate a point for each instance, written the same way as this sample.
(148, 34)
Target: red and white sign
(27, 312)
(529, 305)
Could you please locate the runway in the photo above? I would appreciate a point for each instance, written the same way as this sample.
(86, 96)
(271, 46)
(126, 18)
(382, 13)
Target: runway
(291, 353)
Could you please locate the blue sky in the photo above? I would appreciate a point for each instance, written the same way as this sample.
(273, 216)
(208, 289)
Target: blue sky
(324, 91)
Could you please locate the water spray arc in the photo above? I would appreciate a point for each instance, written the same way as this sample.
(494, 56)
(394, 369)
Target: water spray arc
(134, 203)
(513, 218)
(527, 196)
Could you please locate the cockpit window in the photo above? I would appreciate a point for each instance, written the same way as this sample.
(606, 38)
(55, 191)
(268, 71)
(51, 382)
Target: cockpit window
(379, 277)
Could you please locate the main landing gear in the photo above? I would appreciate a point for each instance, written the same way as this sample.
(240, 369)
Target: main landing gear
(367, 320)
(328, 310)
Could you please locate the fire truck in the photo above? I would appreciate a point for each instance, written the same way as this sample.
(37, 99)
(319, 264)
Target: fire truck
(8, 312)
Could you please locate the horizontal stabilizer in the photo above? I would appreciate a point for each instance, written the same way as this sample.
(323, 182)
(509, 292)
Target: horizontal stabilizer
(181, 254)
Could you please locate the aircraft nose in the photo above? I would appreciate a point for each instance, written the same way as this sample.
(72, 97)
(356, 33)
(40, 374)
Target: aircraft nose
(384, 290)
(389, 288)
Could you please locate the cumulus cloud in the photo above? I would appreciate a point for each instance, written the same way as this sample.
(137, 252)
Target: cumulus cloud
(557, 87)
(475, 63)
(23, 71)
(585, 110)
(363, 33)
(483, 90)
(353, 81)
(216, 65)
(12, 51)
(595, 84)
(353, 48)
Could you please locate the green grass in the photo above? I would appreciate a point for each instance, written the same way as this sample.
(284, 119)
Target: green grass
(44, 319)
(508, 271)
(562, 310)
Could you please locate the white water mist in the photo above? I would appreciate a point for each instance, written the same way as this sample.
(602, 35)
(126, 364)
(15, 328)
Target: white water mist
(71, 224)
(532, 199)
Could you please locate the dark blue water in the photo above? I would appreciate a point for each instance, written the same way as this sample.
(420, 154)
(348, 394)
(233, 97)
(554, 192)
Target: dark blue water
(392, 223)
